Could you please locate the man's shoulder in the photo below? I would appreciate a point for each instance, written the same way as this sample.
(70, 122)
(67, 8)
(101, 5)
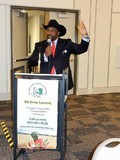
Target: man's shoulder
(64, 40)
(40, 42)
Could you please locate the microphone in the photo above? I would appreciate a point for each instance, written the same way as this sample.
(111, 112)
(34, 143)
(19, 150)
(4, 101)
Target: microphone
(49, 41)
(49, 58)
(39, 61)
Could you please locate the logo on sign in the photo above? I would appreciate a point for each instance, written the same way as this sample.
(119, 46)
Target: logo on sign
(37, 90)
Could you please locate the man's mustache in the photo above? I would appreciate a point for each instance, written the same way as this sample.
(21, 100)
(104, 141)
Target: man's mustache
(49, 36)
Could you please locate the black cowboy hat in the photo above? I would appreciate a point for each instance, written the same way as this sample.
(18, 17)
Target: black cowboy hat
(55, 24)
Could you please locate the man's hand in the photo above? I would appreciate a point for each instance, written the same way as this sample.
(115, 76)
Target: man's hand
(82, 29)
(48, 51)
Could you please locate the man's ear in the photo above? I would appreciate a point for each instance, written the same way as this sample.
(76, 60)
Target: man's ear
(58, 33)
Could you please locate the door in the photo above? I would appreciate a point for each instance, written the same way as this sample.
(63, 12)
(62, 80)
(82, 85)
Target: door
(19, 39)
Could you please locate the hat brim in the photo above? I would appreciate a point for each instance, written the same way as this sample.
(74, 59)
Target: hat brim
(60, 28)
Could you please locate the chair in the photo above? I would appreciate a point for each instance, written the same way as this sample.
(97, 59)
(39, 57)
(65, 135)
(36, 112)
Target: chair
(105, 152)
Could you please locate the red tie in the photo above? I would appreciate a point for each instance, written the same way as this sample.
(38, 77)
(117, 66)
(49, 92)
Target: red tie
(53, 48)
(53, 53)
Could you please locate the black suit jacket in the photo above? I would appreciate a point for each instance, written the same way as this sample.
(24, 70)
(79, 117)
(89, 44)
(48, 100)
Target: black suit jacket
(64, 48)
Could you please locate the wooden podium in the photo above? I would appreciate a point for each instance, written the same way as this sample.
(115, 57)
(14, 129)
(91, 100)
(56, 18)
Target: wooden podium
(39, 112)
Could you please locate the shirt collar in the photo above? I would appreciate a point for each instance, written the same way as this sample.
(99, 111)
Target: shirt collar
(56, 41)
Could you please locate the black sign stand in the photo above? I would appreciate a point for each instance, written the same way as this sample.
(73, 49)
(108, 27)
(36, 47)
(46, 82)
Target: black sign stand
(62, 110)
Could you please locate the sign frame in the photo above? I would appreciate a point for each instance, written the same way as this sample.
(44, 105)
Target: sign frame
(62, 109)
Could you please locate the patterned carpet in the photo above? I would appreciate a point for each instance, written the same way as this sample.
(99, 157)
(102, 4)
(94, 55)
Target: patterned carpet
(91, 120)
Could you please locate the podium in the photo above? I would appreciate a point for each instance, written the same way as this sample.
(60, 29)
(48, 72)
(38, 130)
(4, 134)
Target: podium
(39, 112)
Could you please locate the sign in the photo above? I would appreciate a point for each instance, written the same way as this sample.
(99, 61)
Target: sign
(37, 113)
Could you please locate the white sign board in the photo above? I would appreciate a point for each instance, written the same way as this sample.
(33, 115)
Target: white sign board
(37, 113)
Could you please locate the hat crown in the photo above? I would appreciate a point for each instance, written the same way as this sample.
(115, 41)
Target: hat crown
(55, 24)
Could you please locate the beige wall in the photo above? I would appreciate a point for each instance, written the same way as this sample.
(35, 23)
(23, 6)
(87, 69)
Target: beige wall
(40, 3)
(5, 52)
(98, 70)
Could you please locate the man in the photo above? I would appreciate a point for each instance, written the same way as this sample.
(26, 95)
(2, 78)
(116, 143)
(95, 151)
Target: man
(55, 57)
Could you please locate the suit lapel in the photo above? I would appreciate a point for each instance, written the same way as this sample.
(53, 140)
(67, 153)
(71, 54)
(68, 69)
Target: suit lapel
(59, 47)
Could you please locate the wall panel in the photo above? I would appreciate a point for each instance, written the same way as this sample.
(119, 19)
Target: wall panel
(82, 63)
(116, 5)
(114, 69)
(102, 40)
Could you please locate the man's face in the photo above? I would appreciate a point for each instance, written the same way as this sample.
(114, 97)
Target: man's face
(52, 33)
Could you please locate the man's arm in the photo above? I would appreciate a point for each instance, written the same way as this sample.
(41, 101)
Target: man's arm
(33, 59)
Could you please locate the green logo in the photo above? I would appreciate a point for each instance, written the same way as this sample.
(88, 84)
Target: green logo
(37, 90)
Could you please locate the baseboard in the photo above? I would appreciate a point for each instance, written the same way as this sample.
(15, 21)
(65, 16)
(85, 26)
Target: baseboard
(85, 91)
(5, 97)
